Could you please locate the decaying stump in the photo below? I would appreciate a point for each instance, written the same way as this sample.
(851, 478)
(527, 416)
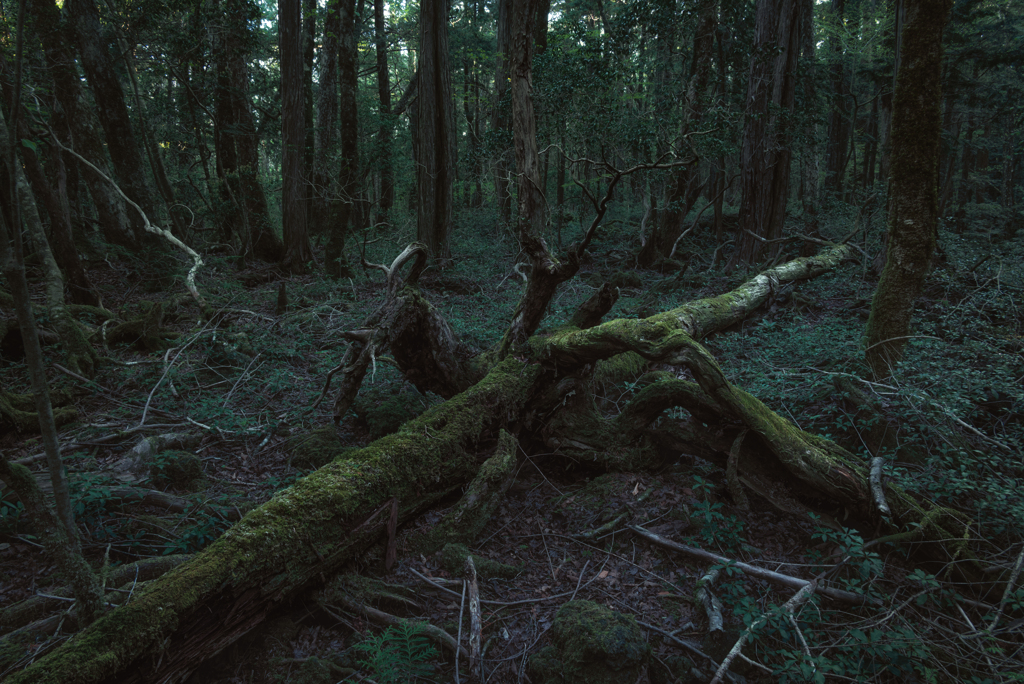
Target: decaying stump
(296, 540)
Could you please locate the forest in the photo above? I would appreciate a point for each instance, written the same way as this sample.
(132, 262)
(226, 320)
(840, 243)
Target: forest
(549, 341)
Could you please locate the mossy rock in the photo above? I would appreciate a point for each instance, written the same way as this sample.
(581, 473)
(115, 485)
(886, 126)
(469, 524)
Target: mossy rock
(591, 645)
(315, 449)
(384, 410)
(180, 470)
(453, 559)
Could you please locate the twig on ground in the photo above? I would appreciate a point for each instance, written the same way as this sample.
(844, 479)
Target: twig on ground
(801, 597)
(707, 598)
(877, 490)
(1010, 584)
(475, 624)
(145, 409)
(754, 571)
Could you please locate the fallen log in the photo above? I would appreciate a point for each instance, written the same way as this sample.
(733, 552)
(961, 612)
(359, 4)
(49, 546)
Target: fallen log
(282, 548)
(305, 533)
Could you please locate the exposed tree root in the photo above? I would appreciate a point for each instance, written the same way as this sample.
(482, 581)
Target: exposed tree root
(19, 410)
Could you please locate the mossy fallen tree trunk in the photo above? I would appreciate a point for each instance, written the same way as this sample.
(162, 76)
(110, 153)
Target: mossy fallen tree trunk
(290, 543)
(295, 541)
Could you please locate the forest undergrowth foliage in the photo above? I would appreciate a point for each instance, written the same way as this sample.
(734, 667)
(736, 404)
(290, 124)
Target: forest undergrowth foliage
(949, 422)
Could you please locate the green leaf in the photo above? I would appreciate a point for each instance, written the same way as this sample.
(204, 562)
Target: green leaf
(29, 144)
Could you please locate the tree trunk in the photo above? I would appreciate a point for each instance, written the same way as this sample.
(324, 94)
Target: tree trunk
(348, 164)
(839, 114)
(809, 158)
(871, 147)
(236, 141)
(60, 61)
(662, 102)
(78, 353)
(58, 530)
(528, 187)
(309, 8)
(124, 149)
(63, 248)
(913, 213)
(297, 250)
(766, 153)
(324, 188)
(540, 10)
(435, 158)
(384, 136)
(502, 124)
(684, 184)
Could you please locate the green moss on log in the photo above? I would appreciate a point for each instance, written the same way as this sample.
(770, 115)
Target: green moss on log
(277, 550)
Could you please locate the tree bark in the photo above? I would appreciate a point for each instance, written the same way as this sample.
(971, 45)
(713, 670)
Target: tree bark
(502, 124)
(384, 136)
(60, 60)
(124, 149)
(838, 118)
(60, 245)
(771, 91)
(528, 186)
(913, 213)
(435, 158)
(297, 250)
(684, 184)
(309, 11)
(78, 353)
(348, 165)
(325, 157)
(236, 140)
(60, 535)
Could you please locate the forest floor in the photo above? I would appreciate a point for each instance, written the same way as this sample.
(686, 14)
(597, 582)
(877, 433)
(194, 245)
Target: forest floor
(244, 393)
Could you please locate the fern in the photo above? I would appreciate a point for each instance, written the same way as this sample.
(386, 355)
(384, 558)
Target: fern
(401, 654)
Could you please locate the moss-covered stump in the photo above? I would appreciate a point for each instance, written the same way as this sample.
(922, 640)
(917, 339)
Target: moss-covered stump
(591, 645)
(453, 559)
